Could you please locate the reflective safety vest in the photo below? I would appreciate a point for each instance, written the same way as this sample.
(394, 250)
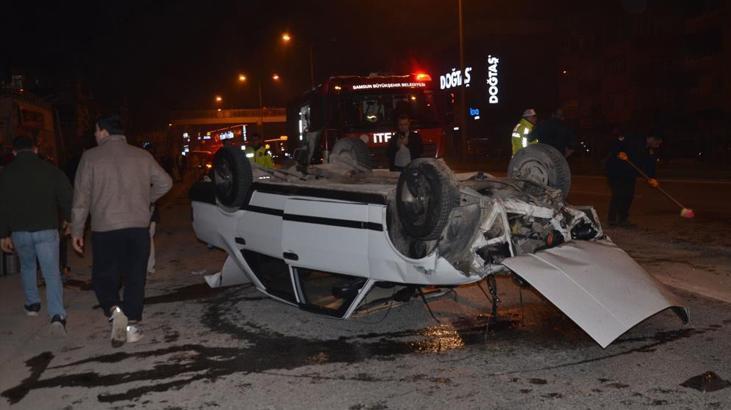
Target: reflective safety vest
(263, 157)
(521, 134)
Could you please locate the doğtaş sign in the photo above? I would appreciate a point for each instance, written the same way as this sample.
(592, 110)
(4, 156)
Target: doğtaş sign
(455, 79)
(492, 79)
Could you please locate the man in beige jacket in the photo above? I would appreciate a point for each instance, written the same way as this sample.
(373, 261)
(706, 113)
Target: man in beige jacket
(116, 183)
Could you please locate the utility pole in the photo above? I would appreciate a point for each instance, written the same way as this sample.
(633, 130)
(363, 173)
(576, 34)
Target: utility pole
(312, 68)
(462, 106)
(261, 111)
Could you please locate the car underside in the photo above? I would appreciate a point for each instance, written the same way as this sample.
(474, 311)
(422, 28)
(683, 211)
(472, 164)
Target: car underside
(328, 237)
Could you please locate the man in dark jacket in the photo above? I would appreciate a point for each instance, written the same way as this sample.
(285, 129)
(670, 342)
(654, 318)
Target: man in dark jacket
(621, 175)
(404, 145)
(33, 191)
(556, 133)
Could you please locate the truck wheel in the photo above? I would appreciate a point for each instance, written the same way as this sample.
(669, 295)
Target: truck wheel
(351, 151)
(425, 196)
(232, 177)
(542, 164)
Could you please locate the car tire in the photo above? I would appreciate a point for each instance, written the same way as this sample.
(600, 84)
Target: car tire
(542, 164)
(351, 151)
(232, 177)
(425, 196)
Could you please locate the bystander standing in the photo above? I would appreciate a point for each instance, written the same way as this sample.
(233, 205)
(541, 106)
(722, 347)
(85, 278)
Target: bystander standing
(404, 146)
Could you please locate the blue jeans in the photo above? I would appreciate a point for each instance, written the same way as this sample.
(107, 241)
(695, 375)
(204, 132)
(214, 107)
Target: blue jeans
(43, 246)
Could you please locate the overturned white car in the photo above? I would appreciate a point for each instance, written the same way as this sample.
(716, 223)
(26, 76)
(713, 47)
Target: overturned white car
(323, 236)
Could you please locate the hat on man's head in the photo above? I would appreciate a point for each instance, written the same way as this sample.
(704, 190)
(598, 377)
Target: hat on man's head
(530, 112)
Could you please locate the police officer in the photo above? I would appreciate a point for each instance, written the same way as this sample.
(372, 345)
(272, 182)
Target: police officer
(259, 152)
(621, 175)
(521, 135)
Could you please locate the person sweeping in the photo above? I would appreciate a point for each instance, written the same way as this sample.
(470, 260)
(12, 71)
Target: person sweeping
(627, 155)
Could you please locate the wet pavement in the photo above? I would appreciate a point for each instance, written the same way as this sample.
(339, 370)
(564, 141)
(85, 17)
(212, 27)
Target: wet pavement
(235, 348)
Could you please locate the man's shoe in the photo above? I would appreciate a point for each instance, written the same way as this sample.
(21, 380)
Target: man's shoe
(119, 327)
(32, 309)
(134, 334)
(58, 326)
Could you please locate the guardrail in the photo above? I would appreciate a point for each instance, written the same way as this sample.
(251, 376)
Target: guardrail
(227, 113)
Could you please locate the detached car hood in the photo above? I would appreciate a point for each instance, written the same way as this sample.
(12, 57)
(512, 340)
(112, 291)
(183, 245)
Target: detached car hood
(597, 285)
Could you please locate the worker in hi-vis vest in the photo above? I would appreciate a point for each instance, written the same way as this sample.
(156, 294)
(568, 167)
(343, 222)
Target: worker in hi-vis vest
(259, 152)
(263, 156)
(521, 136)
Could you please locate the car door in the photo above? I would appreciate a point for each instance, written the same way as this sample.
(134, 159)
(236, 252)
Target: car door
(329, 235)
(326, 244)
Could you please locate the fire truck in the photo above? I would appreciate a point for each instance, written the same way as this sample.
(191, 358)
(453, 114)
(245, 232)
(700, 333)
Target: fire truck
(365, 107)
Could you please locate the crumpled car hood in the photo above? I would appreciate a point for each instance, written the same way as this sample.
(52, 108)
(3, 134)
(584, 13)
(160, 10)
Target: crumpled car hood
(597, 285)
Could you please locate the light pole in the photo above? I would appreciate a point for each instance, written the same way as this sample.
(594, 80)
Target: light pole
(244, 79)
(286, 39)
(462, 106)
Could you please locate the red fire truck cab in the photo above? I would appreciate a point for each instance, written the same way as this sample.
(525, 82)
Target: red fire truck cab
(365, 107)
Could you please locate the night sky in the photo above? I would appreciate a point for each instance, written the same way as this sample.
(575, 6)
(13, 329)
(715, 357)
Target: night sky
(157, 56)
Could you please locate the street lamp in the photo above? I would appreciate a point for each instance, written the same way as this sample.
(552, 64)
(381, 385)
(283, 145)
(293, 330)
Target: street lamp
(286, 39)
(219, 99)
(275, 78)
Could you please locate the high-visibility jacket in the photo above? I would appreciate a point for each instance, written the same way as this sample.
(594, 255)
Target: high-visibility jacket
(263, 157)
(521, 135)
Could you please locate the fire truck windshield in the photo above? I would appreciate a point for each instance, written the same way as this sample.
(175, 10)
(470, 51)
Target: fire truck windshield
(368, 111)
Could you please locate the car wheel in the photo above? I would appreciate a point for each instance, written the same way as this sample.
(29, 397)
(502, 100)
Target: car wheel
(351, 151)
(542, 164)
(232, 177)
(425, 195)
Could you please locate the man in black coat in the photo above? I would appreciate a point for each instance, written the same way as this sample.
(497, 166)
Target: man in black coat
(404, 146)
(621, 175)
(556, 133)
(32, 192)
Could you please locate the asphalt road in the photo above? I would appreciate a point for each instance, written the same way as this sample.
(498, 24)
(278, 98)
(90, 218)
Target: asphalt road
(234, 348)
(653, 212)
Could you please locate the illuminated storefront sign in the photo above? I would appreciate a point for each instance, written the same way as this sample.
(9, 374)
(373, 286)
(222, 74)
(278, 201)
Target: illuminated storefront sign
(492, 79)
(388, 85)
(455, 79)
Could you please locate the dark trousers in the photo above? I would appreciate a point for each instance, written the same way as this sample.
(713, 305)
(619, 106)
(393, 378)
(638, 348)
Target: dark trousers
(623, 192)
(120, 259)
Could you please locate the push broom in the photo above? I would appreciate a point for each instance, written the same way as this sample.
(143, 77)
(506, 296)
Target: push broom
(684, 212)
